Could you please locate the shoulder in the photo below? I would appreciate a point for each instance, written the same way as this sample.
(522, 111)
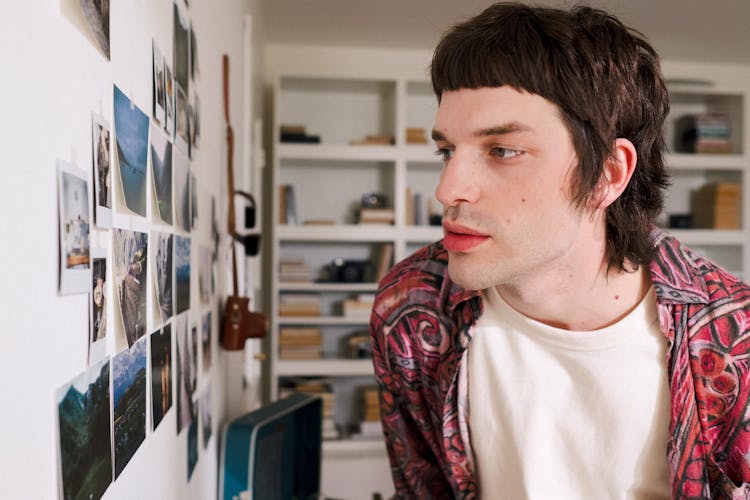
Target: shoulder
(419, 278)
(683, 275)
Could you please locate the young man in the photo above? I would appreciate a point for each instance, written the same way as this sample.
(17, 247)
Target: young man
(555, 344)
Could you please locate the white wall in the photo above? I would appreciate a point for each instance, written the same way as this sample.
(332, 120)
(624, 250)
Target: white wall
(53, 77)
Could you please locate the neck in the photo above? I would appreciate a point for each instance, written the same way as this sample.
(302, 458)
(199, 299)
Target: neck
(578, 292)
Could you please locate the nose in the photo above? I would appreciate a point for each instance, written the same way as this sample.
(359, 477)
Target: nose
(459, 181)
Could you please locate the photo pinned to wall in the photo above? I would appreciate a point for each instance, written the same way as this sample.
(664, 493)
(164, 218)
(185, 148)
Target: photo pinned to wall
(131, 140)
(192, 442)
(215, 242)
(161, 373)
(194, 68)
(96, 13)
(181, 172)
(161, 172)
(182, 374)
(195, 123)
(206, 420)
(204, 273)
(163, 267)
(129, 403)
(182, 118)
(159, 91)
(206, 341)
(102, 159)
(193, 359)
(182, 273)
(98, 308)
(169, 84)
(74, 227)
(130, 264)
(181, 48)
(84, 436)
(193, 200)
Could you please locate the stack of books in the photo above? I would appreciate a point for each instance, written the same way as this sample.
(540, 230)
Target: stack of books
(300, 343)
(299, 304)
(375, 139)
(359, 306)
(717, 206)
(415, 135)
(376, 216)
(297, 133)
(370, 426)
(323, 389)
(705, 133)
(295, 270)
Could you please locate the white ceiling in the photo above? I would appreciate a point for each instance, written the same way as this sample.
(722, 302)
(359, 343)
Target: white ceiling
(686, 30)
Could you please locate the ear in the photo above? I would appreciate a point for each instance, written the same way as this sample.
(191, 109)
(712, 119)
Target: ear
(618, 169)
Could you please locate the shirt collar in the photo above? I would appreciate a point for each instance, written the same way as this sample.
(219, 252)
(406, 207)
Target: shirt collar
(676, 272)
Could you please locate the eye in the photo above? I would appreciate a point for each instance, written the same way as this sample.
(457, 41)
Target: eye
(505, 153)
(444, 153)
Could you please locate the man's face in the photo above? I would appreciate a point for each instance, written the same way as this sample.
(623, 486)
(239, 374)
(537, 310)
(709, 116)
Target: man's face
(505, 187)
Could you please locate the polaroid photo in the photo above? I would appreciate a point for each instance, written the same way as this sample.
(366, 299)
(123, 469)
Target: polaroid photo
(193, 200)
(169, 84)
(182, 273)
(98, 305)
(206, 419)
(163, 268)
(195, 123)
(204, 274)
(181, 177)
(96, 13)
(206, 341)
(131, 142)
(192, 442)
(161, 174)
(102, 160)
(84, 434)
(194, 68)
(182, 374)
(182, 120)
(215, 244)
(181, 48)
(161, 373)
(129, 403)
(130, 264)
(193, 358)
(74, 228)
(158, 85)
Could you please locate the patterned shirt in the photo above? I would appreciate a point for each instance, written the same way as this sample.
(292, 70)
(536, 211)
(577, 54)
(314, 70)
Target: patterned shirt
(422, 323)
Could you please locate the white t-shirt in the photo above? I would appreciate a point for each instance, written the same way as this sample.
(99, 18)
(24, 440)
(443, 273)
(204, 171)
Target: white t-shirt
(559, 414)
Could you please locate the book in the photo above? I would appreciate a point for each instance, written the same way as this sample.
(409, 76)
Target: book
(376, 215)
(290, 205)
(384, 261)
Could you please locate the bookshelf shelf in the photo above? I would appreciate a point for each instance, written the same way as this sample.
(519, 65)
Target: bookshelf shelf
(322, 320)
(337, 232)
(325, 367)
(327, 287)
(289, 151)
(329, 179)
(355, 447)
(687, 161)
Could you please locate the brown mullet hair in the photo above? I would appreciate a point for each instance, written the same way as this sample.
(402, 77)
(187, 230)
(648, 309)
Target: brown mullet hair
(605, 79)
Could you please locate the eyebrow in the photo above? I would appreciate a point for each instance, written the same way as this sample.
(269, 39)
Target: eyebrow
(507, 128)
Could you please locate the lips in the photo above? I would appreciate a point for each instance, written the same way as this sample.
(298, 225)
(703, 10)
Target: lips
(461, 239)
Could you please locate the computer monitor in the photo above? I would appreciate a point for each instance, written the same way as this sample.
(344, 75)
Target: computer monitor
(273, 452)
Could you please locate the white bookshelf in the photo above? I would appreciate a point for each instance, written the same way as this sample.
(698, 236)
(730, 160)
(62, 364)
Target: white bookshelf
(330, 177)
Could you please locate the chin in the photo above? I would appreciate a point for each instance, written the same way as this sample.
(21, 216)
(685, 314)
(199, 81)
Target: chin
(467, 277)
